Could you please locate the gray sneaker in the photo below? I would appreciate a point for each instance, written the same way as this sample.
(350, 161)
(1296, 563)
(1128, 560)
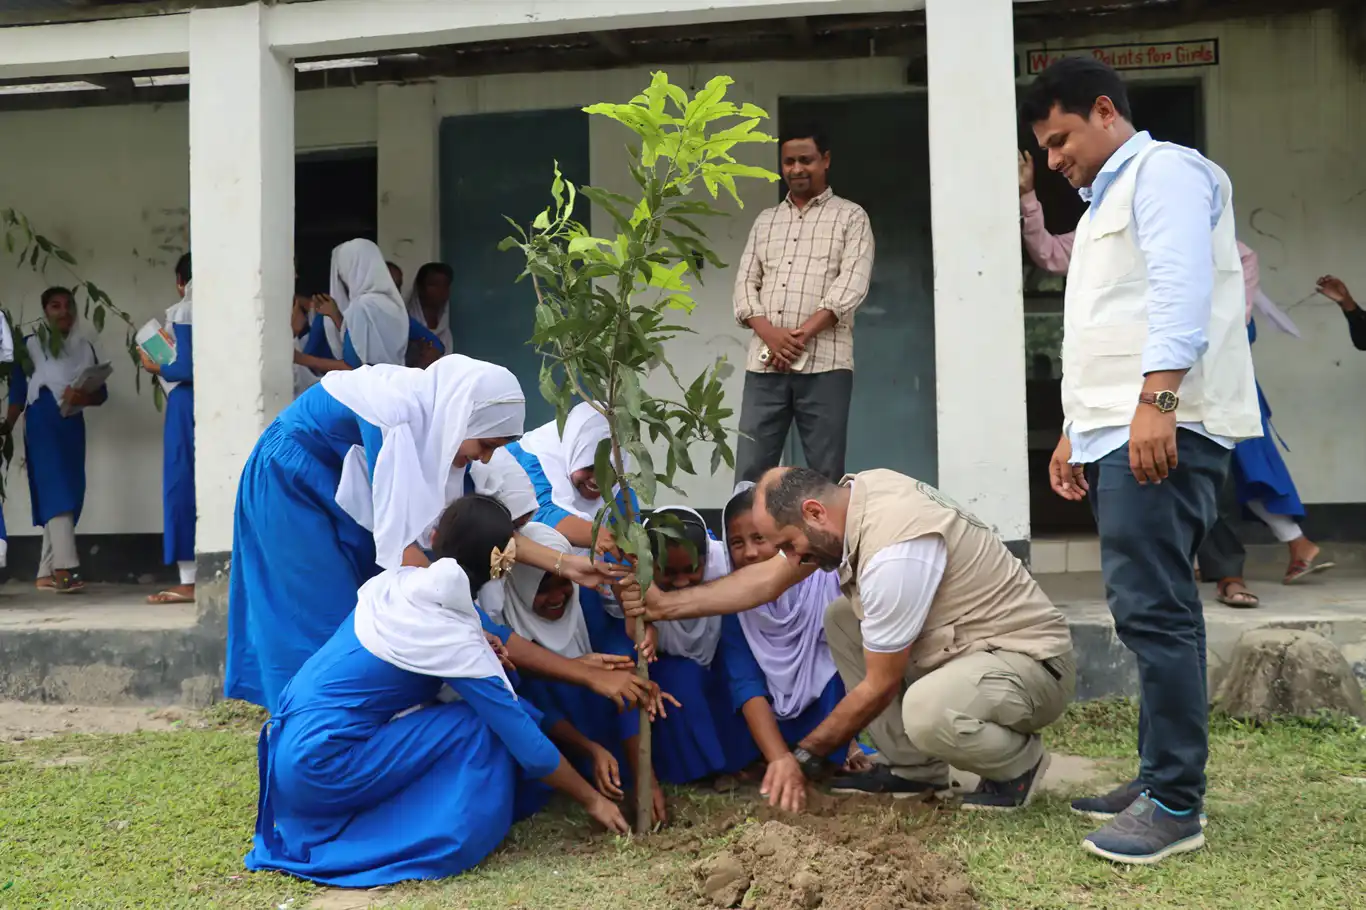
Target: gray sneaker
(1145, 834)
(1116, 801)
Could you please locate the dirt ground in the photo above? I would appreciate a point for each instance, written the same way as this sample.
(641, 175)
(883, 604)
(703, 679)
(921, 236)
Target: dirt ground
(20, 721)
(845, 854)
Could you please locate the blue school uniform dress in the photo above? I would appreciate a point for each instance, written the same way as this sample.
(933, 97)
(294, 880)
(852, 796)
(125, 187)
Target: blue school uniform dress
(704, 737)
(746, 680)
(298, 558)
(54, 446)
(355, 797)
(1259, 472)
(177, 458)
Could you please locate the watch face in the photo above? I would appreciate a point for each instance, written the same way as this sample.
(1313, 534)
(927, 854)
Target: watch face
(1166, 401)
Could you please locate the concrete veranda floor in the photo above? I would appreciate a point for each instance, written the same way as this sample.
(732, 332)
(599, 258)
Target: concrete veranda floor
(1334, 595)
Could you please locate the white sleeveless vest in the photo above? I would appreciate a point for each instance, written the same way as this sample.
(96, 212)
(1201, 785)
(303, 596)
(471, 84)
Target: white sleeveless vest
(1105, 322)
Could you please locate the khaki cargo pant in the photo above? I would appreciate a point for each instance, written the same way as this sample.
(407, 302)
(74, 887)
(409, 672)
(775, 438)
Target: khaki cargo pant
(976, 713)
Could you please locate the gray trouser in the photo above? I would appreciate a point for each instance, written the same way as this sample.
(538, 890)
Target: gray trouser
(977, 713)
(59, 545)
(1222, 554)
(819, 402)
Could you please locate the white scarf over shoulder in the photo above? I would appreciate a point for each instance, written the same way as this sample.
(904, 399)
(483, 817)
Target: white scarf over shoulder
(56, 372)
(561, 456)
(423, 620)
(566, 636)
(372, 310)
(443, 325)
(423, 417)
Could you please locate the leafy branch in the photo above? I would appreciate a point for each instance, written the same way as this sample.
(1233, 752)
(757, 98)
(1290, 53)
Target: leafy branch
(607, 307)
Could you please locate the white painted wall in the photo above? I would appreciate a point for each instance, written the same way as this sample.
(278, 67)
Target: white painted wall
(1285, 115)
(113, 186)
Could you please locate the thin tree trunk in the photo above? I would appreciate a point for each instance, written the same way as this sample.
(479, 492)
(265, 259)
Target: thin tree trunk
(645, 771)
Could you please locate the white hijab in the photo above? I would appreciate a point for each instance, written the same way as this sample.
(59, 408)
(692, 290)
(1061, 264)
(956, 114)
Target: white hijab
(6, 341)
(423, 620)
(505, 480)
(181, 313)
(561, 456)
(502, 478)
(56, 373)
(443, 325)
(423, 416)
(566, 636)
(371, 308)
(696, 639)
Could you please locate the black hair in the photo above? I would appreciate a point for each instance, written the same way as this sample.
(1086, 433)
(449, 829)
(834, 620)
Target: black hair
(426, 271)
(57, 291)
(784, 496)
(182, 269)
(810, 131)
(469, 530)
(1074, 84)
(741, 503)
(686, 523)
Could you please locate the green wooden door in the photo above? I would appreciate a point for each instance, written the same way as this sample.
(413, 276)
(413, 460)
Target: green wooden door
(880, 159)
(494, 165)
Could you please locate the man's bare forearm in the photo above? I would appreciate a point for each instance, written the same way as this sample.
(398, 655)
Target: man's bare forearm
(739, 591)
(854, 712)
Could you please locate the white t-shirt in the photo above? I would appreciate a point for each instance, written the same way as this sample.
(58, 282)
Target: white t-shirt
(896, 588)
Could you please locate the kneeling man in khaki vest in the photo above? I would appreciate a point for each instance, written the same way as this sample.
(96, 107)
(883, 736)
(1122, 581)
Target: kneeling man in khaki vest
(950, 652)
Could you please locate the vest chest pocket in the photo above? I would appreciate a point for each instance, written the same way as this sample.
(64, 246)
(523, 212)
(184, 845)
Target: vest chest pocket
(1108, 363)
(1108, 254)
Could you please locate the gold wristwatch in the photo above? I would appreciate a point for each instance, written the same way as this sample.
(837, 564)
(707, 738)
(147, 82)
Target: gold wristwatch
(1166, 402)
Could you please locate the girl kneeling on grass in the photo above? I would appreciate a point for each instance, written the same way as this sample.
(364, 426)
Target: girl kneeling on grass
(782, 677)
(359, 790)
(545, 609)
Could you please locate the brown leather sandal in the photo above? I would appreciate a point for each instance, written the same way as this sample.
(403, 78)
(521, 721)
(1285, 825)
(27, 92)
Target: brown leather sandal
(1239, 600)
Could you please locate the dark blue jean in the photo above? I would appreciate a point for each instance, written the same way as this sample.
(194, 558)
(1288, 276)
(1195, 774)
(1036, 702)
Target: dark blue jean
(1149, 535)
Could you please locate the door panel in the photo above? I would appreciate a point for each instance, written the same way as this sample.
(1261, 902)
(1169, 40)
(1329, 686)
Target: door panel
(494, 165)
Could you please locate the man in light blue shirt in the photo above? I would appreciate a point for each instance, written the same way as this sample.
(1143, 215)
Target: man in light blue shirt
(1143, 276)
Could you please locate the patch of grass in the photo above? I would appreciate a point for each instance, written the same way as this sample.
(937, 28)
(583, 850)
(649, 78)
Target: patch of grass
(234, 715)
(1286, 825)
(163, 820)
(142, 820)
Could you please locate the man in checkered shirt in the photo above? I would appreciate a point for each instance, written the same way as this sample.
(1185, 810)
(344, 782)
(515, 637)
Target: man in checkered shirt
(804, 272)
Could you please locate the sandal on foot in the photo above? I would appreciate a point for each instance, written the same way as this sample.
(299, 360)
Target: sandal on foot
(70, 583)
(1239, 600)
(170, 597)
(45, 584)
(1299, 568)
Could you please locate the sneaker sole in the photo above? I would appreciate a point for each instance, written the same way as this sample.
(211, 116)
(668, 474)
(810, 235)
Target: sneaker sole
(938, 793)
(1034, 788)
(1110, 816)
(1195, 842)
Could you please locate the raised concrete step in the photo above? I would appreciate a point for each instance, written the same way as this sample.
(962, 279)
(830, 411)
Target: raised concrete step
(1081, 553)
(109, 647)
(105, 646)
(1332, 604)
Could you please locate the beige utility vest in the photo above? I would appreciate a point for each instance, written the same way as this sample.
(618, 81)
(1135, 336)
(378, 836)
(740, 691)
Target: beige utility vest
(1105, 321)
(986, 601)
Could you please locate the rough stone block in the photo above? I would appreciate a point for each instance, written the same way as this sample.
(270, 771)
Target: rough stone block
(1288, 672)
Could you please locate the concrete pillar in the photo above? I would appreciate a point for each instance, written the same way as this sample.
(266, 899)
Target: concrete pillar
(242, 240)
(409, 201)
(978, 300)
